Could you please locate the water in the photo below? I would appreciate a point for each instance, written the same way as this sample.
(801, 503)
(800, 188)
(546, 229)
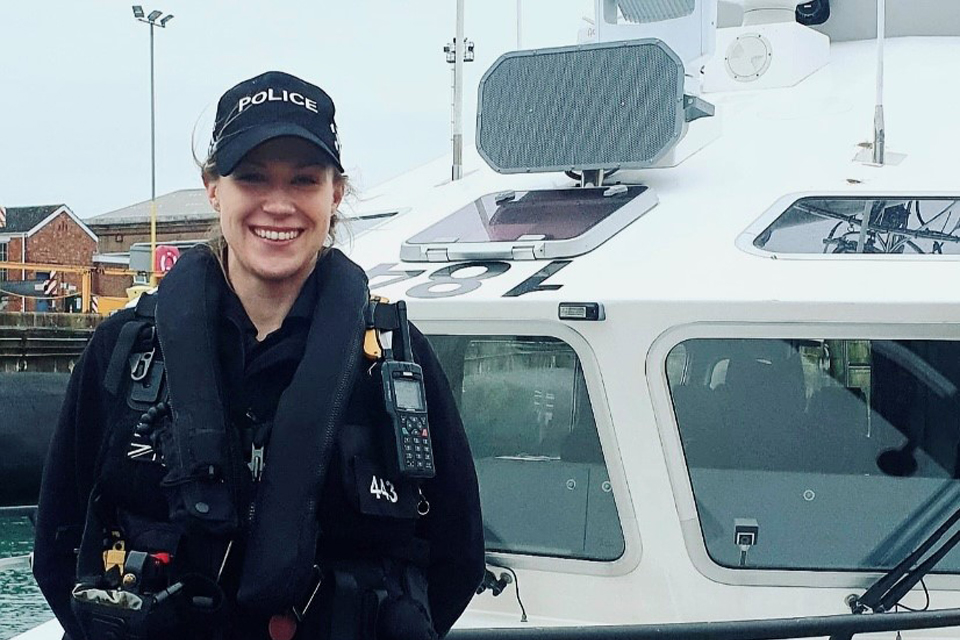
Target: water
(22, 607)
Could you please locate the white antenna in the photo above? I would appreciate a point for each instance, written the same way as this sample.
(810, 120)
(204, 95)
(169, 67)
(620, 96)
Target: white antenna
(879, 130)
(876, 154)
(519, 24)
(458, 47)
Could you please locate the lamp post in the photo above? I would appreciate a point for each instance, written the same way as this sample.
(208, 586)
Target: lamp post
(153, 19)
(458, 52)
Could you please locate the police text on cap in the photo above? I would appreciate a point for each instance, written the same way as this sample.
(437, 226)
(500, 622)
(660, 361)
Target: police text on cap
(269, 95)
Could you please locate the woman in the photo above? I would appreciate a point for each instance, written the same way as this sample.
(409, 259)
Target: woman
(225, 465)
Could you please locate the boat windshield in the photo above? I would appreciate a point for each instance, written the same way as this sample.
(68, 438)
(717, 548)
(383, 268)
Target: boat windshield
(820, 436)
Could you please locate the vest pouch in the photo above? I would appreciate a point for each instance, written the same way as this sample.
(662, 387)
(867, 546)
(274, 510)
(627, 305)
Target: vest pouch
(201, 605)
(146, 534)
(378, 491)
(191, 608)
(113, 614)
(363, 599)
(405, 614)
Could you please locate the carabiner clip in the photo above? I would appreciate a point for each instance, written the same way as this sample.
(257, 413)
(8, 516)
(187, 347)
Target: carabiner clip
(141, 366)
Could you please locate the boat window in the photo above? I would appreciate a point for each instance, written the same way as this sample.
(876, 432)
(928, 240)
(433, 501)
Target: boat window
(544, 486)
(794, 445)
(531, 225)
(895, 225)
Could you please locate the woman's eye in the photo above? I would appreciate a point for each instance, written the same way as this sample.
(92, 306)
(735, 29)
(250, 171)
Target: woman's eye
(250, 176)
(306, 180)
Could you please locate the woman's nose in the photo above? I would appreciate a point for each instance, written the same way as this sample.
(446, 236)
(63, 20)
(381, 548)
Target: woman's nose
(279, 202)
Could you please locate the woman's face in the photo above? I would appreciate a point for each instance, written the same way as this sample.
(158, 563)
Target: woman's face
(275, 210)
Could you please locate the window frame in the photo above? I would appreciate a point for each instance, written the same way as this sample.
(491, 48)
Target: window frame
(632, 551)
(680, 482)
(745, 241)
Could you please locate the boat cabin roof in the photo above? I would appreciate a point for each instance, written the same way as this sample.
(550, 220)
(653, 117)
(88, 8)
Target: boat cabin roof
(776, 147)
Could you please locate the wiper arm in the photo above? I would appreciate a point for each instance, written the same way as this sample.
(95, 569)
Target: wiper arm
(886, 592)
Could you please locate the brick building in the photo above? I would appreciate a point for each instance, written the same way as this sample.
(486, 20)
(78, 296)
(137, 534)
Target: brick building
(181, 215)
(49, 234)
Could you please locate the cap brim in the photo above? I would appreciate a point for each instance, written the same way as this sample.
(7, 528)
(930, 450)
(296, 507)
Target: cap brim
(229, 152)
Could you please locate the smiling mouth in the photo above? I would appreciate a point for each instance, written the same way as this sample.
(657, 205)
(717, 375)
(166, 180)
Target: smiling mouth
(277, 236)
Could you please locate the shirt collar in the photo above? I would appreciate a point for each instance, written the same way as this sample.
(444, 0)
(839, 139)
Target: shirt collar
(302, 309)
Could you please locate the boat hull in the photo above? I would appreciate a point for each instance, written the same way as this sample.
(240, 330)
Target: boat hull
(29, 409)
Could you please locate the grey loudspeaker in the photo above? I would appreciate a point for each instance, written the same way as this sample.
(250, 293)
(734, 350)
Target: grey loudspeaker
(642, 11)
(598, 106)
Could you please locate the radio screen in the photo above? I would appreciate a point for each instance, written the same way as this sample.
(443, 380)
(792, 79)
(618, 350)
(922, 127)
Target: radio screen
(408, 394)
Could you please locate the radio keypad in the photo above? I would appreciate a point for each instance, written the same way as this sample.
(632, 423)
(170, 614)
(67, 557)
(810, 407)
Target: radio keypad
(417, 452)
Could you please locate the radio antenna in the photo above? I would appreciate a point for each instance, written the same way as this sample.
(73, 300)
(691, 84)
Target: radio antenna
(875, 154)
(519, 25)
(879, 129)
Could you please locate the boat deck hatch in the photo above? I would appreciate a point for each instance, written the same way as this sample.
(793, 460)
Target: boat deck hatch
(531, 225)
(895, 225)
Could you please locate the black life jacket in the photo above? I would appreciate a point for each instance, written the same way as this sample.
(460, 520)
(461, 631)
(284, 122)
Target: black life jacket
(360, 586)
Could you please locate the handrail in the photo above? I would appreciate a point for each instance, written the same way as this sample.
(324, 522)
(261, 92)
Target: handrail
(86, 276)
(18, 511)
(66, 268)
(24, 561)
(15, 562)
(841, 626)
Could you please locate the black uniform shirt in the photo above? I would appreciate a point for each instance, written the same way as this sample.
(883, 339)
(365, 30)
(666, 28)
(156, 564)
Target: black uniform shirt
(255, 372)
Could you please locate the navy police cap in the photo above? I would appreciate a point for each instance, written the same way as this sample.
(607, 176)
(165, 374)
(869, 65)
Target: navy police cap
(272, 105)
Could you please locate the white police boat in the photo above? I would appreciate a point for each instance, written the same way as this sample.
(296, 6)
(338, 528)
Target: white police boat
(696, 296)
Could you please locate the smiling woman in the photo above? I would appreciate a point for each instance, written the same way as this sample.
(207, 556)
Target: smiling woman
(247, 421)
(274, 176)
(275, 212)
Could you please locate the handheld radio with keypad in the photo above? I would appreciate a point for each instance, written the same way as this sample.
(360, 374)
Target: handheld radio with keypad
(405, 400)
(406, 405)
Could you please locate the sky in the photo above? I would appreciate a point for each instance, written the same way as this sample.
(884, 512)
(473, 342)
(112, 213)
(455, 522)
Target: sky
(75, 84)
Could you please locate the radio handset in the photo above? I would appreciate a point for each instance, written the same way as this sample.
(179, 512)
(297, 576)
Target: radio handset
(405, 400)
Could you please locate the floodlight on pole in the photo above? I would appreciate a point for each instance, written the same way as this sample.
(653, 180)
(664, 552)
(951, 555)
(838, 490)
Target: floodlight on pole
(151, 20)
(457, 52)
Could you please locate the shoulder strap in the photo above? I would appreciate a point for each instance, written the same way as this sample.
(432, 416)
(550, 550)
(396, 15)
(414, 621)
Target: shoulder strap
(147, 307)
(380, 315)
(144, 317)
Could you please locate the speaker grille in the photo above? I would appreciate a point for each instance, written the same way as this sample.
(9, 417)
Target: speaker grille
(643, 11)
(601, 106)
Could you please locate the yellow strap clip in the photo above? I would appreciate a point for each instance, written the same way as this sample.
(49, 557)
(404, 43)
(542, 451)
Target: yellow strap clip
(115, 556)
(372, 348)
